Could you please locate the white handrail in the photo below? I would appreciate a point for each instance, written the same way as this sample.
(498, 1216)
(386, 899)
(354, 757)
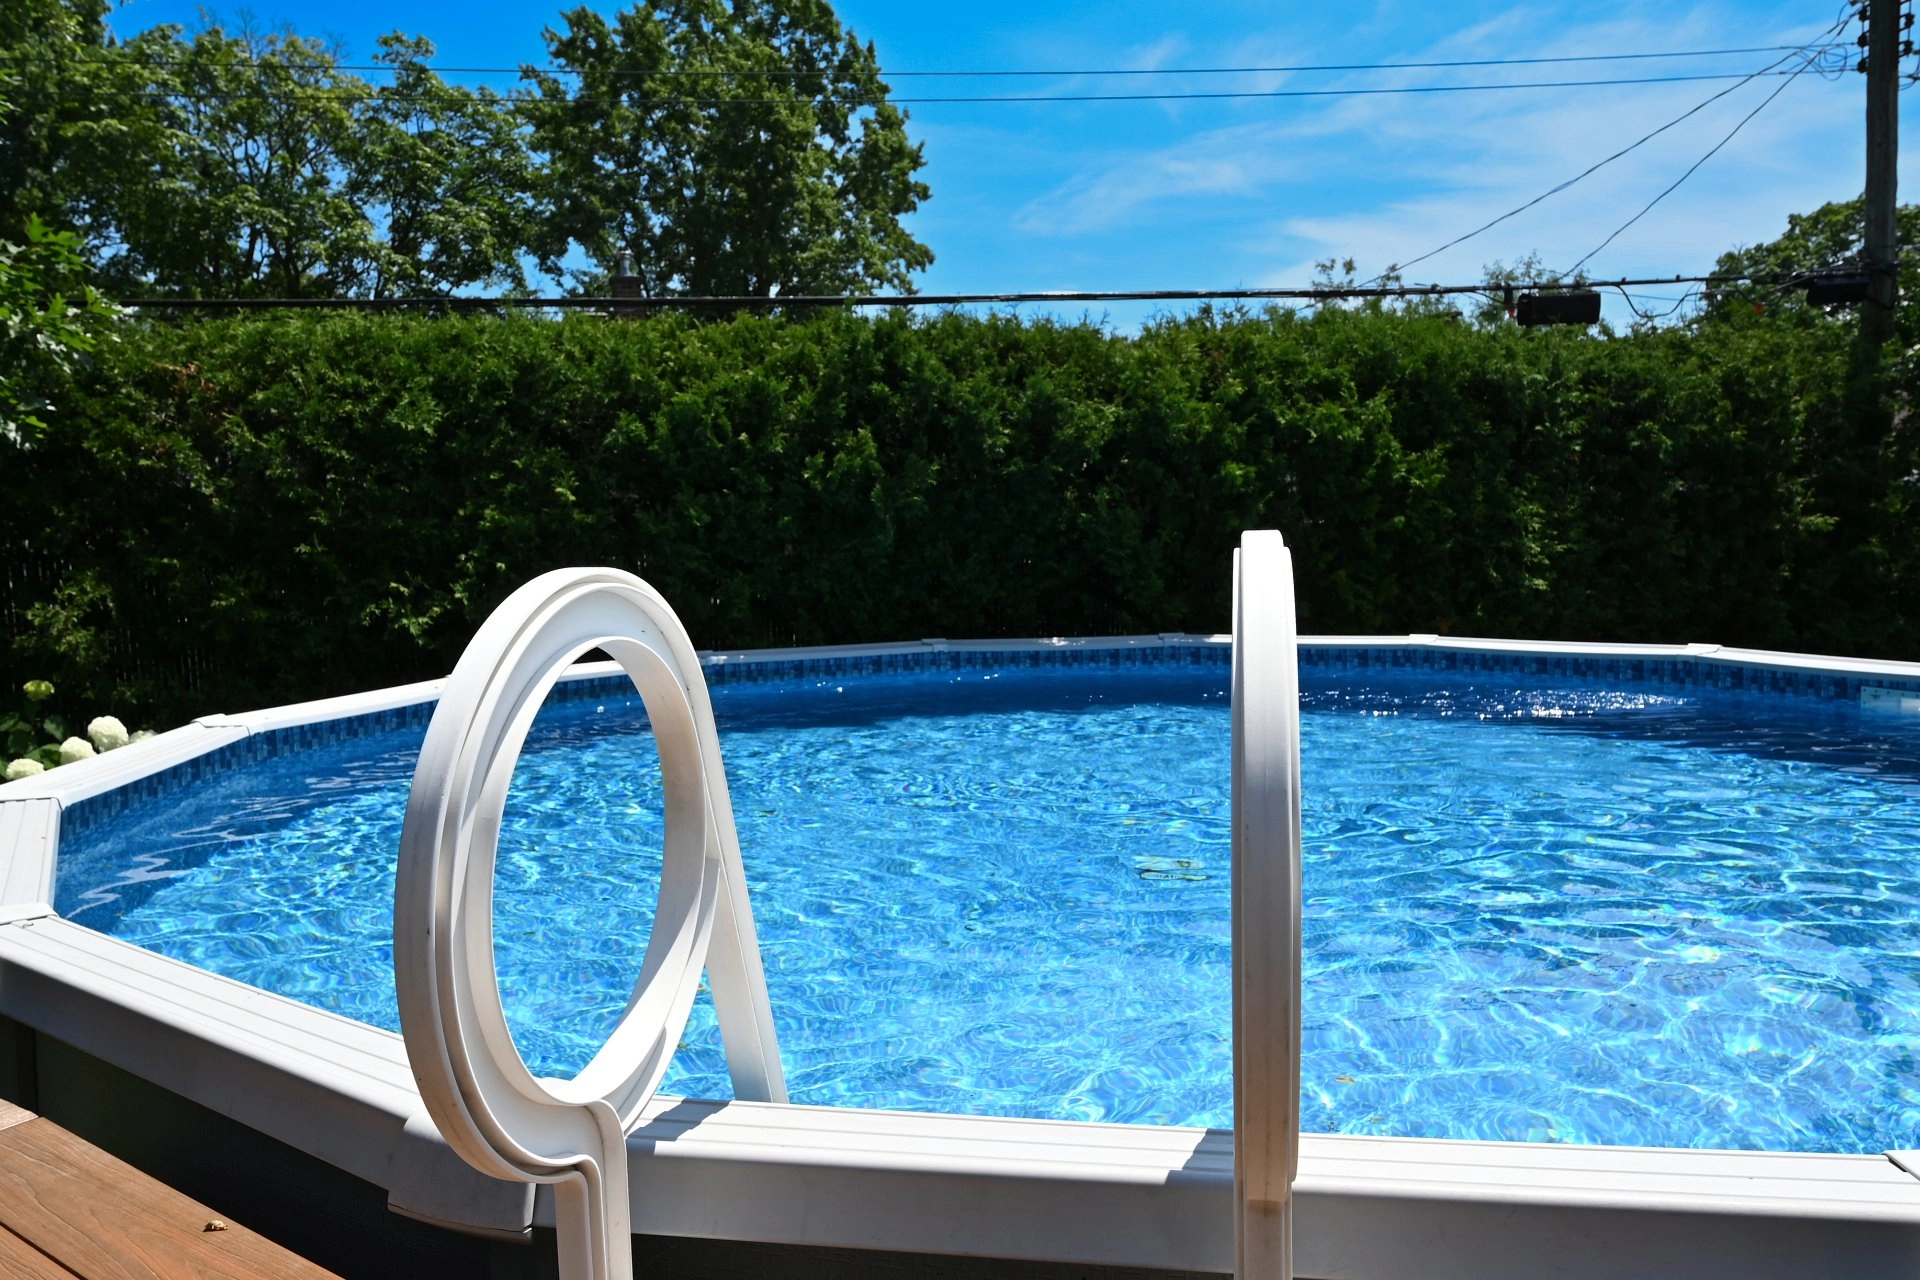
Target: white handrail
(505, 1122)
(486, 1103)
(1266, 907)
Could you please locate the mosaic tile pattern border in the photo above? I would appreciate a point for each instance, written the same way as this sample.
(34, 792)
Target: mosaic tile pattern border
(83, 815)
(1676, 672)
(787, 670)
(324, 733)
(266, 745)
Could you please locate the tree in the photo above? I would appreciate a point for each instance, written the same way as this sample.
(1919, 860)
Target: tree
(736, 146)
(237, 164)
(1831, 238)
(50, 317)
(1488, 305)
(243, 192)
(1863, 448)
(73, 109)
(745, 147)
(443, 172)
(286, 177)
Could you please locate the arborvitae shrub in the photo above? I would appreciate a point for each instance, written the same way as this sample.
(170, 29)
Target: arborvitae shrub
(241, 512)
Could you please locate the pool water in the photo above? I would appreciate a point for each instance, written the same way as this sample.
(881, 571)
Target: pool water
(1545, 911)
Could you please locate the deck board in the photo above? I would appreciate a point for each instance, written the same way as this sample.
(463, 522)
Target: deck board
(21, 1261)
(68, 1209)
(10, 1115)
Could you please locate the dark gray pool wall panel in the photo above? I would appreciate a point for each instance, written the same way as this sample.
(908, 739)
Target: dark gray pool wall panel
(303, 1203)
(344, 1223)
(332, 1087)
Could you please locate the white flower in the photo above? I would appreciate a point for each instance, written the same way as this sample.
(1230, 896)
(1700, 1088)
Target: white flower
(107, 733)
(140, 735)
(24, 768)
(75, 749)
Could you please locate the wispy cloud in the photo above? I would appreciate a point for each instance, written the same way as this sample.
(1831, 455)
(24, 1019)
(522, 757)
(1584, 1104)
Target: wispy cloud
(1473, 169)
(1234, 162)
(1160, 53)
(1383, 179)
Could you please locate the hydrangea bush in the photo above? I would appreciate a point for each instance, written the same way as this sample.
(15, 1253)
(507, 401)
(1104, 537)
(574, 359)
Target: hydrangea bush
(24, 728)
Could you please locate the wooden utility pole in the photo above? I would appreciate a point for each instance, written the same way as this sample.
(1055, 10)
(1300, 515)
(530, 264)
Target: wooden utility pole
(1883, 144)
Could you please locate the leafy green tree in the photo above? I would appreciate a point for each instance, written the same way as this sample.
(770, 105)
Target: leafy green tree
(46, 47)
(443, 173)
(733, 148)
(40, 43)
(292, 178)
(1830, 238)
(74, 115)
(235, 164)
(208, 166)
(50, 318)
(246, 194)
(1862, 449)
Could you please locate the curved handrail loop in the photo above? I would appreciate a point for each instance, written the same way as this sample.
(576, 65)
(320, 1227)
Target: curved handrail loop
(485, 1102)
(1266, 907)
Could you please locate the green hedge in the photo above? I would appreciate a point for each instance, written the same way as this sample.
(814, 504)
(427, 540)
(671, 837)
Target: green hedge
(242, 512)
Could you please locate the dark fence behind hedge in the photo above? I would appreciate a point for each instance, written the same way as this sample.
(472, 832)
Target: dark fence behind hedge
(251, 511)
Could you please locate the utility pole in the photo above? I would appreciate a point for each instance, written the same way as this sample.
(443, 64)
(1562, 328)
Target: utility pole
(1883, 144)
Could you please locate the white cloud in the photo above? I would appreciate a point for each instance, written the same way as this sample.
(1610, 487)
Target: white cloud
(1384, 178)
(1235, 162)
(1793, 156)
(1159, 53)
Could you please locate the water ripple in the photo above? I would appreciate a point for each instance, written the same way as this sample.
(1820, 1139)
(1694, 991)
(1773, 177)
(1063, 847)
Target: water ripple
(1537, 912)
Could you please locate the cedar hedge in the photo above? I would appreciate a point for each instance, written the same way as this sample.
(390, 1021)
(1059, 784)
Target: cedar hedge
(242, 512)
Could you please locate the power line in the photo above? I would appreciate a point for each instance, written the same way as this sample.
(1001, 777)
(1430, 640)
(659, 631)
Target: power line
(510, 103)
(1553, 191)
(1304, 68)
(1811, 49)
(1778, 90)
(1650, 316)
(671, 302)
(749, 73)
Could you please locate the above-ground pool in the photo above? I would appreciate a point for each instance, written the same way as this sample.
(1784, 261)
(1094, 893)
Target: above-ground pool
(1536, 907)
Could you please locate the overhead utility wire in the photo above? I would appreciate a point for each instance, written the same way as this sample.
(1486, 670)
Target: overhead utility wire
(690, 301)
(1811, 49)
(1767, 101)
(1651, 315)
(755, 74)
(349, 95)
(1587, 172)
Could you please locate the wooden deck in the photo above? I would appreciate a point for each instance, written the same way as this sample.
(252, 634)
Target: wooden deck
(68, 1209)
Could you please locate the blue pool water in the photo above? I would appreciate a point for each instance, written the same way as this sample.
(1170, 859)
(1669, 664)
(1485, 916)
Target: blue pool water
(1534, 910)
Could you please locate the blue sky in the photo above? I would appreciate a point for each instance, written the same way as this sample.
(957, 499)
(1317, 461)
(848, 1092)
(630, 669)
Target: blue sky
(1252, 192)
